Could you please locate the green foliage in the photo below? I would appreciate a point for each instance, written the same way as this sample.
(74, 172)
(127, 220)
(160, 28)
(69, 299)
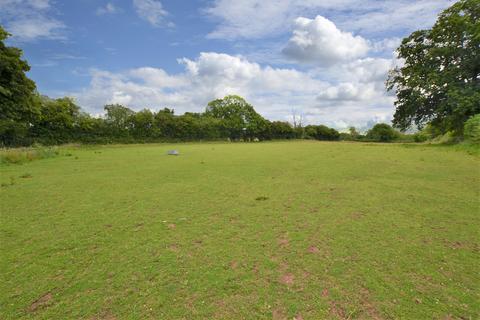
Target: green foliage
(471, 130)
(420, 137)
(352, 135)
(282, 130)
(117, 118)
(321, 132)
(14, 133)
(142, 124)
(238, 116)
(57, 121)
(18, 104)
(382, 132)
(439, 82)
(353, 132)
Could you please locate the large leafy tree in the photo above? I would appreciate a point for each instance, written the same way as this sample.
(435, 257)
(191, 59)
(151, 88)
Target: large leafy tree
(239, 117)
(18, 100)
(382, 132)
(142, 123)
(164, 121)
(57, 121)
(118, 117)
(439, 82)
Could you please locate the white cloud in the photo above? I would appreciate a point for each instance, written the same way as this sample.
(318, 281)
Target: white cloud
(348, 91)
(363, 70)
(28, 20)
(319, 41)
(253, 19)
(391, 15)
(248, 18)
(151, 11)
(109, 8)
(273, 91)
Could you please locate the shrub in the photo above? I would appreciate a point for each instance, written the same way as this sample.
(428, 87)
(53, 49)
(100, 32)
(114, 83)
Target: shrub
(446, 138)
(321, 132)
(471, 131)
(382, 132)
(420, 137)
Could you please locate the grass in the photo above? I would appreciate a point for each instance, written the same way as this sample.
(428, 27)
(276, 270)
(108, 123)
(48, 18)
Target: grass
(277, 230)
(23, 155)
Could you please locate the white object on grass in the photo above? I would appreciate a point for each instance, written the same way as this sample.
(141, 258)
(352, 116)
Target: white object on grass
(173, 152)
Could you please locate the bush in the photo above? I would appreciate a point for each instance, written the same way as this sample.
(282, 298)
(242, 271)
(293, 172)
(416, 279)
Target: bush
(471, 131)
(321, 132)
(420, 137)
(382, 132)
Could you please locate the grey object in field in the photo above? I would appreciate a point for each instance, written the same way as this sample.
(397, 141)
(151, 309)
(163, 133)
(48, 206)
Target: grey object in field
(173, 153)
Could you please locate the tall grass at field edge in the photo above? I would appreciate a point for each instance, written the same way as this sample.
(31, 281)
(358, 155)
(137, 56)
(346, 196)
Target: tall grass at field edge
(22, 155)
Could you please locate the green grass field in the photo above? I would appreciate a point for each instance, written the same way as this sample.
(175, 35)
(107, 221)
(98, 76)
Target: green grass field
(282, 230)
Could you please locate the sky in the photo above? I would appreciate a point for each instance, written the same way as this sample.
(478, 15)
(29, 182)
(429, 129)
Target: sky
(324, 60)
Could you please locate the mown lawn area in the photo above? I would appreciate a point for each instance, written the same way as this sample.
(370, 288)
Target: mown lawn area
(278, 230)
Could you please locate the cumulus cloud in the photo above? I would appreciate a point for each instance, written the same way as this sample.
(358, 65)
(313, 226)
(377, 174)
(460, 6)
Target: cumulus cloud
(151, 11)
(319, 41)
(253, 19)
(211, 75)
(361, 70)
(273, 91)
(348, 91)
(29, 20)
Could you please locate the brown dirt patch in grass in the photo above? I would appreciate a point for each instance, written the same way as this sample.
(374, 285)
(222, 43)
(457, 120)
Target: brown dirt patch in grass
(283, 242)
(41, 302)
(325, 292)
(456, 245)
(171, 226)
(288, 279)
(255, 268)
(368, 306)
(336, 310)
(357, 215)
(173, 247)
(279, 314)
(313, 249)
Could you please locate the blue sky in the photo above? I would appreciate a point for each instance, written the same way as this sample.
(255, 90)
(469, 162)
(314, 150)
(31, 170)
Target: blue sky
(328, 60)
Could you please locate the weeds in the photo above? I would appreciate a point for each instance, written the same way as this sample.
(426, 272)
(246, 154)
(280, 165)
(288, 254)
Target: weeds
(22, 155)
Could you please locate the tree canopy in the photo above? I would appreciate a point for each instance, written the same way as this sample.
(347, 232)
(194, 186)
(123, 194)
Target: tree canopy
(382, 132)
(238, 115)
(18, 104)
(439, 82)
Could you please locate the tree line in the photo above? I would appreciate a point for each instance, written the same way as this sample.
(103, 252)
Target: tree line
(58, 121)
(437, 90)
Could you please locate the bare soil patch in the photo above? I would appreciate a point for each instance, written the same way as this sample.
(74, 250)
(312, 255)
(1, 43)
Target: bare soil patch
(41, 302)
